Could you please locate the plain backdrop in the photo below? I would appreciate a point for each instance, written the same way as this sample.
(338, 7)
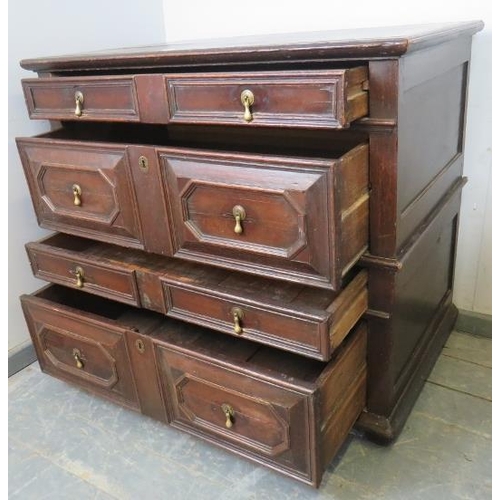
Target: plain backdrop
(54, 27)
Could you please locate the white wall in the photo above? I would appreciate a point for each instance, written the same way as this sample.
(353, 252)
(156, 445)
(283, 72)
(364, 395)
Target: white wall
(218, 18)
(54, 27)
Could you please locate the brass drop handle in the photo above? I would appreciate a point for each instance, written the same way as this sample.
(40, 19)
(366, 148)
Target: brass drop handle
(238, 315)
(229, 413)
(247, 99)
(78, 103)
(239, 215)
(79, 277)
(77, 193)
(77, 355)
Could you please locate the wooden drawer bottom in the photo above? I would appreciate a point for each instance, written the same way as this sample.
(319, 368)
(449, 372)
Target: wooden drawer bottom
(281, 410)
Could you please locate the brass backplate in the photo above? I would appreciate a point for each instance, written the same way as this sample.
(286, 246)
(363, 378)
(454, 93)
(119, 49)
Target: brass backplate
(143, 163)
(139, 344)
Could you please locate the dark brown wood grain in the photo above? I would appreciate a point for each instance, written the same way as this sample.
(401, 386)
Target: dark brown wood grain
(306, 47)
(151, 205)
(104, 99)
(431, 128)
(384, 102)
(108, 279)
(317, 99)
(416, 178)
(152, 97)
(416, 299)
(170, 370)
(143, 363)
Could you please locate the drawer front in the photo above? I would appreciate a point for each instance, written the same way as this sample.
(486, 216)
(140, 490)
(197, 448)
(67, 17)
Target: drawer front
(82, 98)
(81, 348)
(242, 412)
(318, 99)
(82, 189)
(290, 326)
(283, 330)
(250, 215)
(113, 282)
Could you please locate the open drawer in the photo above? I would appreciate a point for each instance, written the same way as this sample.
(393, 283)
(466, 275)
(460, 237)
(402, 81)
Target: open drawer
(83, 339)
(288, 316)
(311, 99)
(294, 218)
(278, 409)
(329, 99)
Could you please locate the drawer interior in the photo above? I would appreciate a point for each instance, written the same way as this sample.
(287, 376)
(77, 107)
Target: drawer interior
(98, 251)
(315, 143)
(71, 243)
(248, 356)
(213, 69)
(206, 343)
(225, 282)
(97, 308)
(84, 302)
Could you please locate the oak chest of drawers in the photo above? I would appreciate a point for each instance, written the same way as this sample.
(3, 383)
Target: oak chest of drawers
(255, 237)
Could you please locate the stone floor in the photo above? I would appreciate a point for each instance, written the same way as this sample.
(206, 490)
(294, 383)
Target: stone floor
(65, 444)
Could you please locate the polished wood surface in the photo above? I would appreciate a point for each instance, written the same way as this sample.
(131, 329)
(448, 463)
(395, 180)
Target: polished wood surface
(285, 200)
(76, 268)
(311, 47)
